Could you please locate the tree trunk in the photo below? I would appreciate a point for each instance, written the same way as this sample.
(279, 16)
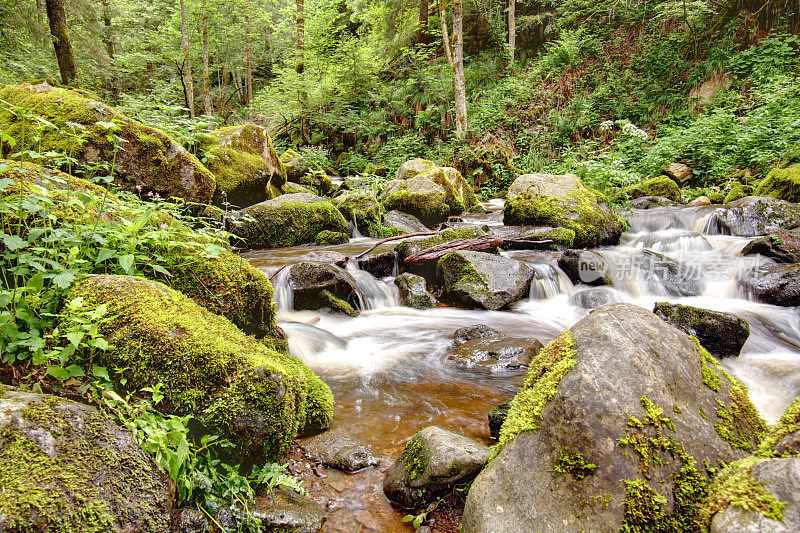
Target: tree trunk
(445, 34)
(422, 30)
(57, 17)
(458, 71)
(249, 52)
(305, 126)
(512, 30)
(206, 88)
(108, 39)
(187, 66)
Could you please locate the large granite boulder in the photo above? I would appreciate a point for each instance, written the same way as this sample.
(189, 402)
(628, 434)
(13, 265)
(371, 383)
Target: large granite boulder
(616, 428)
(458, 193)
(145, 160)
(288, 220)
(775, 284)
(782, 246)
(482, 280)
(562, 201)
(420, 197)
(64, 466)
(404, 221)
(432, 462)
(234, 384)
(722, 334)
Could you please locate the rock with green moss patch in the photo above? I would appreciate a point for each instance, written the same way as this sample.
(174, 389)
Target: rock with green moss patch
(737, 192)
(288, 220)
(310, 280)
(65, 467)
(661, 186)
(562, 201)
(147, 157)
(296, 165)
(364, 211)
(419, 197)
(245, 165)
(783, 439)
(236, 385)
(782, 246)
(432, 462)
(482, 280)
(639, 400)
(782, 183)
(458, 193)
(753, 216)
(415, 245)
(651, 202)
(754, 496)
(403, 221)
(328, 238)
(534, 238)
(722, 334)
(414, 292)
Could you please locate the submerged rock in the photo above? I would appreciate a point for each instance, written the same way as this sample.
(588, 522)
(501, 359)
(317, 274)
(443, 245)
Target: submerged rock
(288, 220)
(282, 509)
(782, 246)
(775, 284)
(432, 462)
(487, 281)
(722, 334)
(478, 331)
(613, 430)
(338, 450)
(414, 292)
(496, 354)
(66, 467)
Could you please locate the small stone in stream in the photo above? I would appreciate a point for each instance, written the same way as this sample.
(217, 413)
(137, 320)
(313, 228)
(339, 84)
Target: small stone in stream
(338, 450)
(594, 297)
(496, 354)
(413, 291)
(283, 509)
(782, 246)
(477, 331)
(585, 266)
(366, 519)
(326, 256)
(379, 265)
(649, 202)
(496, 418)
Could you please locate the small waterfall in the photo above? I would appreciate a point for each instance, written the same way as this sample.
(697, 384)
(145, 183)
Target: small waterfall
(373, 293)
(548, 282)
(662, 218)
(672, 240)
(305, 340)
(284, 293)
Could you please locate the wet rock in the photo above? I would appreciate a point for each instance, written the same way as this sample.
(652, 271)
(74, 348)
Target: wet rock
(775, 284)
(753, 216)
(404, 221)
(782, 246)
(288, 220)
(662, 186)
(291, 187)
(338, 450)
(477, 331)
(562, 201)
(783, 438)
(64, 465)
(722, 334)
(618, 378)
(418, 196)
(283, 509)
(414, 292)
(310, 280)
(496, 418)
(433, 461)
(670, 277)
(486, 281)
(496, 354)
(585, 266)
(679, 172)
(649, 202)
(379, 265)
(778, 478)
(189, 520)
(595, 297)
(326, 256)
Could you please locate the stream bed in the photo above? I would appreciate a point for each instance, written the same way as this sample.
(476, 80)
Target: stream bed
(390, 375)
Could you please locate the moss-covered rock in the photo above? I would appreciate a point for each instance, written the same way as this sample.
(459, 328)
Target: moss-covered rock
(458, 193)
(738, 191)
(414, 292)
(245, 165)
(146, 157)
(296, 165)
(366, 213)
(640, 401)
(65, 467)
(482, 280)
(723, 334)
(415, 245)
(783, 439)
(571, 206)
(782, 183)
(753, 216)
(535, 238)
(418, 196)
(327, 238)
(310, 280)
(661, 186)
(233, 383)
(288, 220)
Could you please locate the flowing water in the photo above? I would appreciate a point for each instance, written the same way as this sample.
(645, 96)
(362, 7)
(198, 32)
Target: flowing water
(388, 368)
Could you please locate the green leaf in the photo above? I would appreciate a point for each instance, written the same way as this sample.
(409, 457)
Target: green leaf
(75, 337)
(57, 372)
(161, 270)
(99, 343)
(103, 254)
(126, 262)
(100, 372)
(36, 283)
(75, 371)
(12, 242)
(64, 279)
(5, 182)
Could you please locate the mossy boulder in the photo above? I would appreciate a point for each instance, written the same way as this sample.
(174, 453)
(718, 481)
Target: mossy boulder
(737, 192)
(403, 221)
(458, 193)
(365, 212)
(414, 291)
(482, 280)
(562, 201)
(295, 164)
(319, 285)
(650, 202)
(245, 165)
(783, 438)
(782, 183)
(146, 157)
(337, 449)
(235, 385)
(328, 238)
(432, 462)
(722, 334)
(618, 427)
(661, 186)
(753, 216)
(65, 467)
(288, 220)
(419, 196)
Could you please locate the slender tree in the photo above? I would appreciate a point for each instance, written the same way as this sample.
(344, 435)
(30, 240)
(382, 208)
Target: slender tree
(305, 125)
(57, 17)
(206, 88)
(455, 56)
(108, 39)
(422, 30)
(187, 65)
(248, 55)
(512, 30)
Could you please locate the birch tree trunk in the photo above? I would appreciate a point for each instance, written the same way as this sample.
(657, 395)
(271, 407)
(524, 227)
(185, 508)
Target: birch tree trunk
(57, 17)
(206, 88)
(458, 70)
(187, 66)
(445, 33)
(512, 30)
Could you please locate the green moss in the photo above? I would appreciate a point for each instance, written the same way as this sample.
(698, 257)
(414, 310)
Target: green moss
(735, 486)
(788, 424)
(545, 373)
(336, 304)
(458, 193)
(661, 186)
(327, 238)
(411, 247)
(365, 212)
(574, 464)
(782, 183)
(426, 202)
(413, 459)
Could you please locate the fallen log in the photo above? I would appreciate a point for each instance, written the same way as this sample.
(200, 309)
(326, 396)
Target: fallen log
(395, 238)
(525, 244)
(476, 244)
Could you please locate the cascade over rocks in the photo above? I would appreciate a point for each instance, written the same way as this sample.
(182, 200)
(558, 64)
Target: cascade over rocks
(66, 467)
(722, 334)
(482, 280)
(147, 158)
(288, 220)
(613, 429)
(432, 462)
(562, 201)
